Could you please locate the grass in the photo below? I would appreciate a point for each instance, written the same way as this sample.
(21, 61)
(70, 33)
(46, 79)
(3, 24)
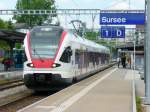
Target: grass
(139, 104)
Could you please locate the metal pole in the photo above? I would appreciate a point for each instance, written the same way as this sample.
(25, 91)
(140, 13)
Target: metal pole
(134, 54)
(133, 82)
(147, 85)
(145, 49)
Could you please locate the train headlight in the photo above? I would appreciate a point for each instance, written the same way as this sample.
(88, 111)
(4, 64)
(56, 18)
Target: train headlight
(30, 65)
(54, 65)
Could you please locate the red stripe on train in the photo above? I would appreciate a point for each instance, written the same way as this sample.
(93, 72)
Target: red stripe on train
(42, 63)
(28, 41)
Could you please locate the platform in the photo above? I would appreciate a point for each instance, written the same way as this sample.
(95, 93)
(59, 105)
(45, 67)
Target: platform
(107, 91)
(11, 75)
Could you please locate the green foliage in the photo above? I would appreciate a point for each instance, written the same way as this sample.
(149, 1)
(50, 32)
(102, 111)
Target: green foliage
(6, 24)
(3, 24)
(138, 104)
(32, 20)
(9, 25)
(91, 35)
(18, 45)
(4, 45)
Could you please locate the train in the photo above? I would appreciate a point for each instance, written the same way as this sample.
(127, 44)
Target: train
(56, 56)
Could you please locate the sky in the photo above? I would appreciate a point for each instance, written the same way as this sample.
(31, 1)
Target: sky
(81, 4)
(97, 4)
(93, 4)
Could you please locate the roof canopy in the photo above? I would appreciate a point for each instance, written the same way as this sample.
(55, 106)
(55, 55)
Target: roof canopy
(9, 35)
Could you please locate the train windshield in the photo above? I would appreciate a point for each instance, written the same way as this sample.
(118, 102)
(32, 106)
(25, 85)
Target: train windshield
(44, 41)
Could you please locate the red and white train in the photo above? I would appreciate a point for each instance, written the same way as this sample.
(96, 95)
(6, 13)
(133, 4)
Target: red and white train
(56, 56)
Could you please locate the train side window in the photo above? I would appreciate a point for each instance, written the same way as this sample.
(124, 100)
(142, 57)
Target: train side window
(77, 56)
(66, 55)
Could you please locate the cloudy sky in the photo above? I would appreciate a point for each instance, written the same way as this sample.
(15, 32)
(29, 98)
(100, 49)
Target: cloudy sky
(98, 4)
(84, 4)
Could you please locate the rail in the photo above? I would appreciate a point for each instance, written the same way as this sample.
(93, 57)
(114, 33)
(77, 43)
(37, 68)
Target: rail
(11, 84)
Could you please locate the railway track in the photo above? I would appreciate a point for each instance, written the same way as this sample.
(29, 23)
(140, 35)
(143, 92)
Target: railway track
(20, 96)
(10, 81)
(12, 91)
(11, 84)
(23, 102)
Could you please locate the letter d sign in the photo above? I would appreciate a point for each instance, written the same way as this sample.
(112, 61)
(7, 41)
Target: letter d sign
(119, 33)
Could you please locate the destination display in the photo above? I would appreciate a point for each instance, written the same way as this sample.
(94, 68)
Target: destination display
(122, 18)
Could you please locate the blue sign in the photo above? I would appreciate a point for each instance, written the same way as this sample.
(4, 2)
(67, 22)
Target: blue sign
(112, 32)
(122, 18)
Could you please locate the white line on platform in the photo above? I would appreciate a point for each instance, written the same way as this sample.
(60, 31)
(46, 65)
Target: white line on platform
(82, 93)
(3, 73)
(45, 107)
(133, 92)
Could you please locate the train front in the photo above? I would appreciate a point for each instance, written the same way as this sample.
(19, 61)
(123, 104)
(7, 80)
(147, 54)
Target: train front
(41, 47)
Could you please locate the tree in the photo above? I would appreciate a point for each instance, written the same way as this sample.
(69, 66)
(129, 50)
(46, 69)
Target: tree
(9, 25)
(3, 24)
(6, 24)
(4, 45)
(32, 20)
(91, 35)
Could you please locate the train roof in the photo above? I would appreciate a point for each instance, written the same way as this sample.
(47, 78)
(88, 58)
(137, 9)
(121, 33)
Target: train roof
(91, 44)
(49, 26)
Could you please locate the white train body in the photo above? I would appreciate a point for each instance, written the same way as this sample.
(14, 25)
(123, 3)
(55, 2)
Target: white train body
(56, 57)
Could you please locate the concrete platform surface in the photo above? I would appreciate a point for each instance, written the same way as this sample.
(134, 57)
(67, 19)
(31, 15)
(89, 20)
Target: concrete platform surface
(107, 91)
(11, 75)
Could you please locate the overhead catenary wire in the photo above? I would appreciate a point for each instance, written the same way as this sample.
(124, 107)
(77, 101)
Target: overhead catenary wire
(118, 2)
(76, 4)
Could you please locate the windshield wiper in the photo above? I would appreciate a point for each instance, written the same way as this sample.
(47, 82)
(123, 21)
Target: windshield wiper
(35, 52)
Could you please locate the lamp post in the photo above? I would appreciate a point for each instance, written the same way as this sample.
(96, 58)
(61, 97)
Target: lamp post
(147, 54)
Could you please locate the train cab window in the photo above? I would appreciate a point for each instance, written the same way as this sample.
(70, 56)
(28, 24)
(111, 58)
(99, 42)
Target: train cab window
(66, 55)
(44, 41)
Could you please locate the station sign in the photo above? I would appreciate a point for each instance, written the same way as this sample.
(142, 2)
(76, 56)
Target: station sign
(109, 18)
(113, 32)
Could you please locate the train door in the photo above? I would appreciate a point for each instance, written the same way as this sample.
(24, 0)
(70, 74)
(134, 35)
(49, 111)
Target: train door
(73, 65)
(86, 61)
(77, 62)
(82, 70)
